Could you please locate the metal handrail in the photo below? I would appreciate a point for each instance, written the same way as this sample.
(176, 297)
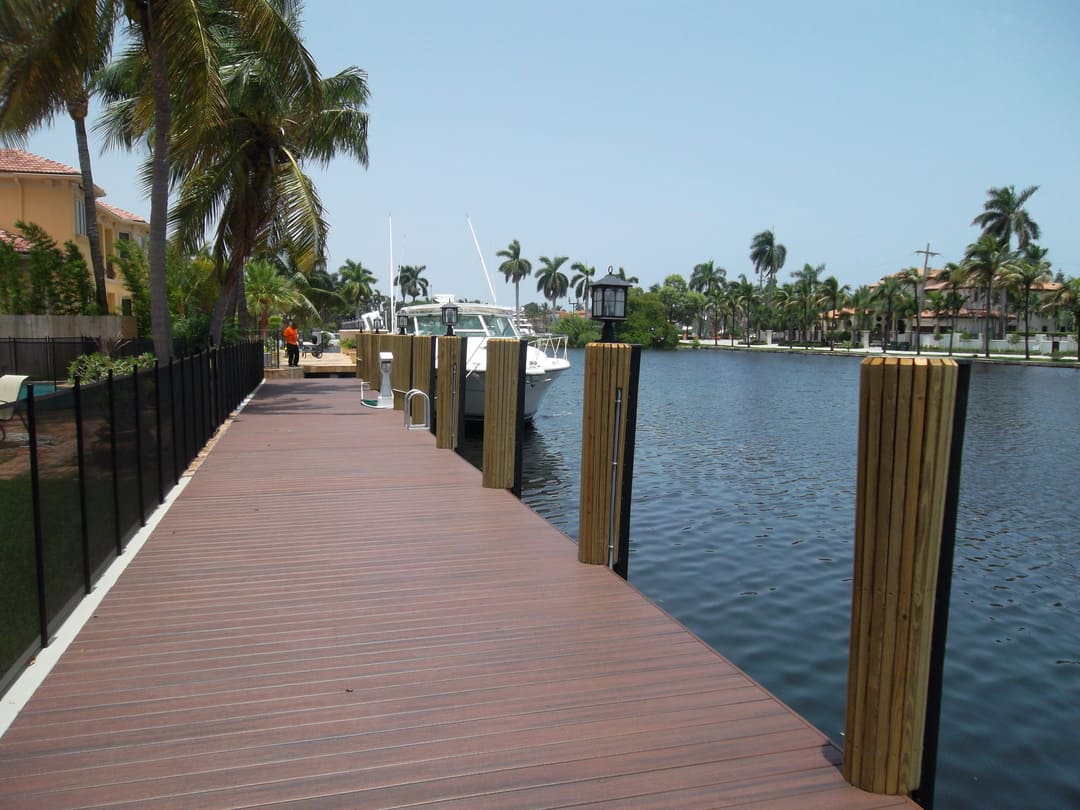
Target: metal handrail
(408, 410)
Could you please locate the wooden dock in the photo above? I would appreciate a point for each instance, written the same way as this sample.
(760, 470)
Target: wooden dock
(334, 614)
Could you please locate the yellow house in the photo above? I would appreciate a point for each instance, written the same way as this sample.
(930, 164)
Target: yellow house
(49, 194)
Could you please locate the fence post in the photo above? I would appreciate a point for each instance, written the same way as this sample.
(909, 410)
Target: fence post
(81, 455)
(504, 413)
(137, 409)
(610, 397)
(172, 420)
(906, 416)
(113, 465)
(35, 498)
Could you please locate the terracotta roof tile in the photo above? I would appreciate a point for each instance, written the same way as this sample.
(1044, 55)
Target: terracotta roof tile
(20, 243)
(18, 160)
(120, 212)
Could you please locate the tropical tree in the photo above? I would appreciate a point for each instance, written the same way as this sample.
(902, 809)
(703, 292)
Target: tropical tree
(1004, 216)
(621, 273)
(768, 257)
(984, 262)
(747, 297)
(833, 296)
(707, 278)
(914, 277)
(175, 70)
(49, 55)
(1020, 278)
(411, 280)
(1066, 298)
(357, 284)
(514, 269)
(888, 296)
(269, 292)
(582, 280)
(807, 296)
(552, 283)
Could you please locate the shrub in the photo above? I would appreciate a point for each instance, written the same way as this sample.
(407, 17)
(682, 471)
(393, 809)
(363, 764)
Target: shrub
(94, 367)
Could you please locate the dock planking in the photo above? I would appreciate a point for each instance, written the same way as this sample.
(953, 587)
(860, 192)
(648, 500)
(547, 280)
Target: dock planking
(334, 614)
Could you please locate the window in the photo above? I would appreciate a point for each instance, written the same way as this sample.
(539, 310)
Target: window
(124, 236)
(125, 306)
(80, 215)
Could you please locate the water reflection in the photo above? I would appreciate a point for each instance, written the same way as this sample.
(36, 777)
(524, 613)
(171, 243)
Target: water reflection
(742, 528)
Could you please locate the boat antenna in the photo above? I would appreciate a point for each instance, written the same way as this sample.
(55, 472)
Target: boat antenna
(481, 255)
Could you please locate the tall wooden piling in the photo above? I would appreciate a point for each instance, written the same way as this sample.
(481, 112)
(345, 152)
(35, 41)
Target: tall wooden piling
(906, 412)
(610, 402)
(401, 371)
(423, 375)
(504, 413)
(450, 392)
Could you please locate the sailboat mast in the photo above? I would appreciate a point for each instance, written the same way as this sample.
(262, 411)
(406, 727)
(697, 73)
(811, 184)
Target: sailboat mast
(390, 314)
(481, 255)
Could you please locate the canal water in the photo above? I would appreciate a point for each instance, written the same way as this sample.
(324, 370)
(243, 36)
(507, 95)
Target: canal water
(742, 529)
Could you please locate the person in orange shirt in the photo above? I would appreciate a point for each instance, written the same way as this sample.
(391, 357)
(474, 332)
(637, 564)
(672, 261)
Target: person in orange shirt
(292, 343)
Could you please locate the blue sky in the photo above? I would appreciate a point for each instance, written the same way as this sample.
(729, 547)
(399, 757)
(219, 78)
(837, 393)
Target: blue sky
(655, 136)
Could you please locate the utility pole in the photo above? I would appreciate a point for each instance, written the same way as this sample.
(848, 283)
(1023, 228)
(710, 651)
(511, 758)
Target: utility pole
(927, 253)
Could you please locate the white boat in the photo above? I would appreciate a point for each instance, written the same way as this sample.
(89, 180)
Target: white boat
(545, 358)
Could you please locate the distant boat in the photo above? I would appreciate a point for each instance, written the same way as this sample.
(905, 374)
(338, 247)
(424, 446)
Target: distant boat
(545, 359)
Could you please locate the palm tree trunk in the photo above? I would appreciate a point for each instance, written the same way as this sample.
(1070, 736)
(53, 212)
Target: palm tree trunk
(986, 324)
(97, 262)
(159, 192)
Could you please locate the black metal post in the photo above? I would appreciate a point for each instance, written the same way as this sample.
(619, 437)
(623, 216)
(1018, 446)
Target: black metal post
(113, 464)
(519, 417)
(157, 434)
(35, 499)
(622, 565)
(433, 381)
(184, 458)
(172, 420)
(924, 795)
(138, 446)
(84, 528)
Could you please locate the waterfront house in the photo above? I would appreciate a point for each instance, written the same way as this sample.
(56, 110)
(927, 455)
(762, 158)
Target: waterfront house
(49, 194)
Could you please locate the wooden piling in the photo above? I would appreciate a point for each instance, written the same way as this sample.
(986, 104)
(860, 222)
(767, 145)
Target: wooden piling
(401, 371)
(504, 413)
(606, 455)
(906, 410)
(449, 392)
(423, 367)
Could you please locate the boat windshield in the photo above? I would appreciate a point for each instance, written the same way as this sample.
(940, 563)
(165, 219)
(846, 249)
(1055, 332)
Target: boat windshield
(468, 324)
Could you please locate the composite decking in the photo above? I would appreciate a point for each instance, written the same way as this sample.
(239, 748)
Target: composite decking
(334, 614)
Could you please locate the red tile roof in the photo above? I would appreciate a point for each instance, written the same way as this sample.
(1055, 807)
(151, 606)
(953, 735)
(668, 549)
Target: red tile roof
(17, 160)
(20, 243)
(120, 212)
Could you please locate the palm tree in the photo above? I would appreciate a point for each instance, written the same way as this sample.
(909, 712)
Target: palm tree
(358, 282)
(914, 277)
(708, 278)
(174, 68)
(1066, 298)
(984, 262)
(747, 297)
(1020, 278)
(268, 291)
(1004, 216)
(411, 281)
(807, 295)
(581, 281)
(889, 298)
(621, 273)
(552, 282)
(863, 304)
(47, 65)
(514, 269)
(833, 295)
(768, 257)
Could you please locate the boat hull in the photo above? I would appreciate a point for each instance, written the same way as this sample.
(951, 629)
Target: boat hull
(536, 388)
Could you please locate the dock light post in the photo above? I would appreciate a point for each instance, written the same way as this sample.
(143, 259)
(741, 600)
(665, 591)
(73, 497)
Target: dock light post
(402, 322)
(449, 317)
(377, 324)
(609, 303)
